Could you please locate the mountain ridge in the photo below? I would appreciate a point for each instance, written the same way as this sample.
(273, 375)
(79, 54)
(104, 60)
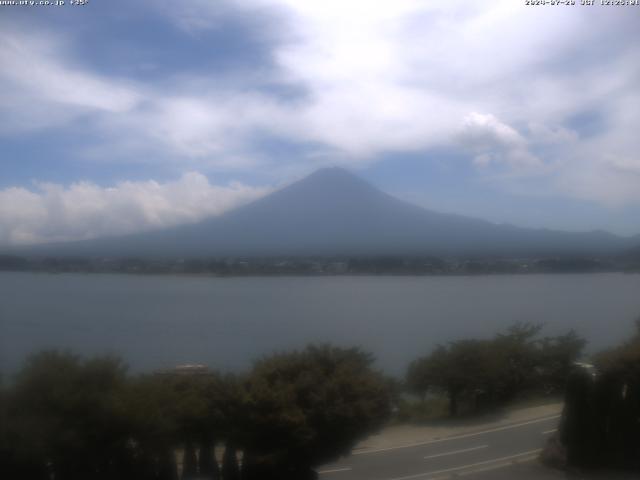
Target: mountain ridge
(334, 212)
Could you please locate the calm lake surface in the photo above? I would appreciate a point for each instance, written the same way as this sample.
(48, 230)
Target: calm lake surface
(160, 321)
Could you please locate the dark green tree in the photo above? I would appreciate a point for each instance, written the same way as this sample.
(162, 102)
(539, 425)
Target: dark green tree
(419, 378)
(486, 373)
(172, 411)
(617, 400)
(579, 422)
(189, 462)
(309, 407)
(466, 371)
(152, 411)
(517, 359)
(67, 418)
(207, 463)
(230, 469)
(557, 356)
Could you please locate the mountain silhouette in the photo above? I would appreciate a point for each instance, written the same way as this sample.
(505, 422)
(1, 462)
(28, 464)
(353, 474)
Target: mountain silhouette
(333, 212)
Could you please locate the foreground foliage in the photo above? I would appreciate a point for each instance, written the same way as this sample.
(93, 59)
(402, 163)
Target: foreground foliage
(307, 408)
(69, 418)
(600, 426)
(484, 373)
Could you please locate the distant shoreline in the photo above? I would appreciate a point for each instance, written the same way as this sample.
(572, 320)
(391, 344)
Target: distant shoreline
(318, 266)
(316, 275)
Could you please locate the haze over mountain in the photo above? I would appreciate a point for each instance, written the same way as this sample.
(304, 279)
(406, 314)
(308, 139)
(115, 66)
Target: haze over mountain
(333, 212)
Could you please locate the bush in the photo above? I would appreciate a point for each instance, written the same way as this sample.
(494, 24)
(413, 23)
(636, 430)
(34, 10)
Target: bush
(477, 374)
(69, 418)
(600, 423)
(422, 410)
(310, 407)
(65, 419)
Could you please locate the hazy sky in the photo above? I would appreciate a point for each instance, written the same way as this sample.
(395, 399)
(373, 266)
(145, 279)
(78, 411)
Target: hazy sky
(124, 115)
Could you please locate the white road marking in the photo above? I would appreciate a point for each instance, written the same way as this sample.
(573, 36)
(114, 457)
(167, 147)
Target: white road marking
(547, 432)
(455, 451)
(334, 470)
(456, 437)
(470, 465)
(495, 466)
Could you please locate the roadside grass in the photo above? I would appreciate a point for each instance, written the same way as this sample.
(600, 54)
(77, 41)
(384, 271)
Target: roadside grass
(417, 411)
(534, 400)
(435, 408)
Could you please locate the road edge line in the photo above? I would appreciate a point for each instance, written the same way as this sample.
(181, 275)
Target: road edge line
(456, 437)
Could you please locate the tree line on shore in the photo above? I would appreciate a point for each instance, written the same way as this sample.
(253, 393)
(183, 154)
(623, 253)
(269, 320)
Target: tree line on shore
(321, 265)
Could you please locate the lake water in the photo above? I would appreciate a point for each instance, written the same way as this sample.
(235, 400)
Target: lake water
(160, 321)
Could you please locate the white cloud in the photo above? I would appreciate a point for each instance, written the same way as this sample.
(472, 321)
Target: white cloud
(403, 76)
(547, 134)
(349, 56)
(39, 88)
(214, 126)
(496, 80)
(605, 168)
(492, 141)
(54, 212)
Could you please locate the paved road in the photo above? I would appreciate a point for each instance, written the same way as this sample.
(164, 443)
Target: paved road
(499, 452)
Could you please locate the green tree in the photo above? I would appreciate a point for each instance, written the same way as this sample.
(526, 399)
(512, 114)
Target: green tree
(463, 370)
(557, 358)
(174, 410)
(617, 402)
(67, 419)
(230, 469)
(419, 377)
(152, 411)
(484, 373)
(602, 405)
(309, 407)
(517, 360)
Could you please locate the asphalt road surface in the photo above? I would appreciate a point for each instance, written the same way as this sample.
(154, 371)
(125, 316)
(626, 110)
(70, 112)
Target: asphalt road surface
(509, 451)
